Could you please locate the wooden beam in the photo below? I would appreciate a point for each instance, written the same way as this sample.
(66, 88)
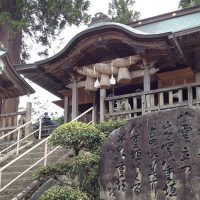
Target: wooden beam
(177, 47)
(8, 128)
(12, 114)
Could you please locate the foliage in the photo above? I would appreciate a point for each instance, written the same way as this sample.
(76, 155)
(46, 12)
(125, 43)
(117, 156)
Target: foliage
(122, 11)
(58, 120)
(84, 168)
(81, 171)
(43, 173)
(77, 164)
(109, 127)
(42, 20)
(64, 193)
(78, 135)
(188, 3)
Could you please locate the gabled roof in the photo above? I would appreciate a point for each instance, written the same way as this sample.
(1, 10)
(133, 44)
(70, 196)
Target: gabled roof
(171, 22)
(11, 83)
(107, 40)
(98, 43)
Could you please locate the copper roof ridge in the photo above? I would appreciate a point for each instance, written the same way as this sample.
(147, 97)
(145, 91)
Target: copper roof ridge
(165, 16)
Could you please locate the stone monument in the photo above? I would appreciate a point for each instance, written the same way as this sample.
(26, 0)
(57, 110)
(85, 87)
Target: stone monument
(153, 157)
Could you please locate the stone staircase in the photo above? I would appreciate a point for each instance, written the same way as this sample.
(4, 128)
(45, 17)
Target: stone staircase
(21, 165)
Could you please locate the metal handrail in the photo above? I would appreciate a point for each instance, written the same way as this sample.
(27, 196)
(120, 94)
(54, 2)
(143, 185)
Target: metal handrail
(18, 135)
(81, 115)
(34, 147)
(27, 169)
(18, 128)
(19, 141)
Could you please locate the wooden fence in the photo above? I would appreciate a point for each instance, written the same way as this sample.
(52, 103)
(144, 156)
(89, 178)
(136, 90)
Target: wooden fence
(10, 121)
(135, 104)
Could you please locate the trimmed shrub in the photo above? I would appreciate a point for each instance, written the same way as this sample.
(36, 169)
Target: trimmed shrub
(63, 193)
(77, 135)
(52, 170)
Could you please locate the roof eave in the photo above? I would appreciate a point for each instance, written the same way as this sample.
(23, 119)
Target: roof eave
(97, 29)
(170, 15)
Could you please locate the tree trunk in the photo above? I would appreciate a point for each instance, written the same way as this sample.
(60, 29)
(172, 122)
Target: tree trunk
(12, 42)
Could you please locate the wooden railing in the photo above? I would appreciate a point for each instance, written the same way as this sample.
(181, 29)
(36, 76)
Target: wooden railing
(135, 104)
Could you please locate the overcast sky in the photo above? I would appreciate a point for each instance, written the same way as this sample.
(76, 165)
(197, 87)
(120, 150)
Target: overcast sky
(147, 8)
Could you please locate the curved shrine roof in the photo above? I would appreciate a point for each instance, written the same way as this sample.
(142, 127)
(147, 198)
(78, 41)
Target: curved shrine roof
(108, 40)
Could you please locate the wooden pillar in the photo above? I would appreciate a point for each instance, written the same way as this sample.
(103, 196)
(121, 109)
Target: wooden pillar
(28, 118)
(66, 109)
(146, 104)
(95, 113)
(74, 100)
(102, 104)
(147, 81)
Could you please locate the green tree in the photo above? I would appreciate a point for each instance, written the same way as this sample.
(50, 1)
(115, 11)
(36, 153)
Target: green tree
(188, 3)
(42, 20)
(122, 11)
(78, 136)
(81, 171)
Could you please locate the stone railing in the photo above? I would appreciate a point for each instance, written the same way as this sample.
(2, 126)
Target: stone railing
(135, 104)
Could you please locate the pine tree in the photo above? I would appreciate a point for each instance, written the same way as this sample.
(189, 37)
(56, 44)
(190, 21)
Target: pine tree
(188, 3)
(42, 20)
(121, 11)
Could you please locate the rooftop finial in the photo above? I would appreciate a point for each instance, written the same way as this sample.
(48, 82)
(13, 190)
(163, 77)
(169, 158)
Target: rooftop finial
(99, 17)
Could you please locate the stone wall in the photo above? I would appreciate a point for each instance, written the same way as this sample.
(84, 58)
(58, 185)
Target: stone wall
(153, 157)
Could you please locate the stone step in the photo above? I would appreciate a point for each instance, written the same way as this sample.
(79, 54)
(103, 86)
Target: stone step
(18, 185)
(12, 175)
(22, 164)
(20, 168)
(5, 197)
(22, 180)
(9, 194)
(31, 159)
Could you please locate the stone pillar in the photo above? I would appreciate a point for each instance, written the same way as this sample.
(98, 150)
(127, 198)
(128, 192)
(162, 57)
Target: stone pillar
(102, 104)
(74, 100)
